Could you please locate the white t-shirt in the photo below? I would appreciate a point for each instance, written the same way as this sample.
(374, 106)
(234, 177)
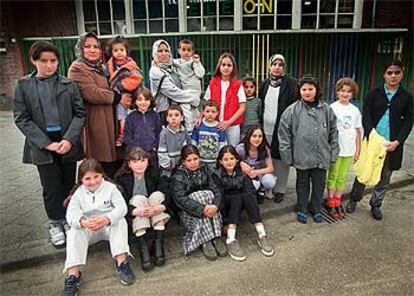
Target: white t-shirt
(224, 86)
(348, 119)
(271, 104)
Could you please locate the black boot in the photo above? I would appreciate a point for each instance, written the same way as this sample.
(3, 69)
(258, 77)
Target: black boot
(146, 263)
(158, 248)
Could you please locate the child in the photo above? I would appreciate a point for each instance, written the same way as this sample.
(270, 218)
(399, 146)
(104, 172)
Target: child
(253, 105)
(256, 161)
(349, 125)
(199, 198)
(228, 93)
(190, 71)
(123, 75)
(52, 123)
(96, 212)
(143, 126)
(308, 141)
(208, 138)
(238, 193)
(141, 190)
(172, 139)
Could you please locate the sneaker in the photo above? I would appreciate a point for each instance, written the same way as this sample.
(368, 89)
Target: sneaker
(260, 197)
(265, 246)
(65, 226)
(376, 213)
(209, 251)
(220, 247)
(302, 217)
(235, 252)
(278, 197)
(333, 213)
(317, 218)
(57, 236)
(125, 274)
(341, 212)
(268, 194)
(72, 284)
(351, 207)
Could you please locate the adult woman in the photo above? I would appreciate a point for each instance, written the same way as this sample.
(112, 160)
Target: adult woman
(99, 133)
(165, 83)
(277, 92)
(48, 110)
(389, 109)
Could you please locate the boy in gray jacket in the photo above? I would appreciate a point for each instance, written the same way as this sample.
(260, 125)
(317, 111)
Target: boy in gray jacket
(308, 141)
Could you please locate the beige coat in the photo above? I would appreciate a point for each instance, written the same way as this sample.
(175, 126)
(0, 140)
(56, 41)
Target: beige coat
(99, 133)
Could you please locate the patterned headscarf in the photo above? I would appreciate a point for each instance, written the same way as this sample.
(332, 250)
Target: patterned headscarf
(80, 54)
(165, 66)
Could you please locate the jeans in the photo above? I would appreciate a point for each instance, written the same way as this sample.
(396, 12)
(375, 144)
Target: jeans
(303, 179)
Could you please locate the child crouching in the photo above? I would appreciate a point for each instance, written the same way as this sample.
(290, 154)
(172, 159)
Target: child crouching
(96, 212)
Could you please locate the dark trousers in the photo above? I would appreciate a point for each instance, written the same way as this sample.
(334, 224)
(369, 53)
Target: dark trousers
(303, 180)
(57, 180)
(110, 168)
(380, 189)
(234, 204)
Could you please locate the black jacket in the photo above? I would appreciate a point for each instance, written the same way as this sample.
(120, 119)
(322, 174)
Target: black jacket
(401, 118)
(238, 183)
(288, 94)
(185, 182)
(28, 117)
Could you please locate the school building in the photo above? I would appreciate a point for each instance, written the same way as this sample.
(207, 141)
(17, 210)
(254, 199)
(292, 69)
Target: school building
(327, 38)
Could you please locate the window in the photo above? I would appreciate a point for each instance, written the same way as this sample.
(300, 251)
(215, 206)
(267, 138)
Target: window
(210, 15)
(322, 14)
(105, 17)
(267, 14)
(155, 16)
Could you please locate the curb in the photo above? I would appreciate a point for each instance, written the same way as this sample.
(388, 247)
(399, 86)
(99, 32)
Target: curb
(41, 251)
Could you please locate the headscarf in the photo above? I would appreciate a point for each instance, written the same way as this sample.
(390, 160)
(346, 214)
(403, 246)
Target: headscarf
(165, 66)
(276, 81)
(80, 54)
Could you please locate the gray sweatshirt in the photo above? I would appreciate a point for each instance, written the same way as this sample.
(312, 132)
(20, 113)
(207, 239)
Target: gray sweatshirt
(190, 74)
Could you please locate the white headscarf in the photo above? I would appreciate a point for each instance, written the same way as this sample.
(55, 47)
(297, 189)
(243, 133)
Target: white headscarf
(155, 47)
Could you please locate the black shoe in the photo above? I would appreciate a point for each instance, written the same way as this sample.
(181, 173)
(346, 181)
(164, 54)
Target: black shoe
(279, 197)
(125, 274)
(260, 197)
(158, 248)
(72, 284)
(351, 207)
(146, 263)
(376, 213)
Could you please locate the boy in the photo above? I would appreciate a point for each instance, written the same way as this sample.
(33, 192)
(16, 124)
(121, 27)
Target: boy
(253, 105)
(190, 71)
(208, 138)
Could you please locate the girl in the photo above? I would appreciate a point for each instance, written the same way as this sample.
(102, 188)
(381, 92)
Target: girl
(256, 161)
(349, 136)
(308, 141)
(253, 105)
(143, 126)
(199, 198)
(228, 92)
(48, 109)
(123, 75)
(140, 184)
(276, 94)
(165, 83)
(238, 193)
(96, 212)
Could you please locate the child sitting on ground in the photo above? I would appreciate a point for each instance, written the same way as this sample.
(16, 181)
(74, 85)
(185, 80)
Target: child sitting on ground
(124, 77)
(96, 212)
(207, 137)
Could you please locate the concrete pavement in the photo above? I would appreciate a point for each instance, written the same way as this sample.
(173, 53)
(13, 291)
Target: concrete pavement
(23, 222)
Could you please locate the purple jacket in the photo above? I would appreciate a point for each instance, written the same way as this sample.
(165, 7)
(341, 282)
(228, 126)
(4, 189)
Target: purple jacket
(143, 130)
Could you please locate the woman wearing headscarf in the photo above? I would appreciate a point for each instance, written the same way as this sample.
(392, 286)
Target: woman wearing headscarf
(100, 102)
(276, 93)
(165, 83)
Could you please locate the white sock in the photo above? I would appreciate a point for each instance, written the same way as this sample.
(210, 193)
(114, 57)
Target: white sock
(140, 232)
(159, 227)
(260, 230)
(231, 235)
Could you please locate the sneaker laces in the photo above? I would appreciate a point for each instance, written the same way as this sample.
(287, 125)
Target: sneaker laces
(125, 269)
(70, 283)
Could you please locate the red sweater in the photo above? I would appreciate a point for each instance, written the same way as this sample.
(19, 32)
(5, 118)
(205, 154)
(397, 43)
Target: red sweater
(232, 100)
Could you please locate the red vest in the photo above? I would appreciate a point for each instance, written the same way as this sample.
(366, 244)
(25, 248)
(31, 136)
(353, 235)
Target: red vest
(232, 100)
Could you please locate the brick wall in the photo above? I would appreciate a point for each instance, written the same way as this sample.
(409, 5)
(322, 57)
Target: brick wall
(388, 14)
(20, 19)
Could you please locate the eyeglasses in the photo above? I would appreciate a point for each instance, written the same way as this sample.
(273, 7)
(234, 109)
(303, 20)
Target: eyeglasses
(389, 73)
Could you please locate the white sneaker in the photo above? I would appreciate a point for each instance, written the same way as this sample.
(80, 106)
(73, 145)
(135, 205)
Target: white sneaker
(269, 194)
(57, 235)
(65, 226)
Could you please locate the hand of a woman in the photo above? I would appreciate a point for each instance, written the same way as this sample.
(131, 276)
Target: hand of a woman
(246, 169)
(52, 146)
(64, 147)
(223, 125)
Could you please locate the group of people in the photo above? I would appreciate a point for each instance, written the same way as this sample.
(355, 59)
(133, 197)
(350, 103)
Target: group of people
(159, 153)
